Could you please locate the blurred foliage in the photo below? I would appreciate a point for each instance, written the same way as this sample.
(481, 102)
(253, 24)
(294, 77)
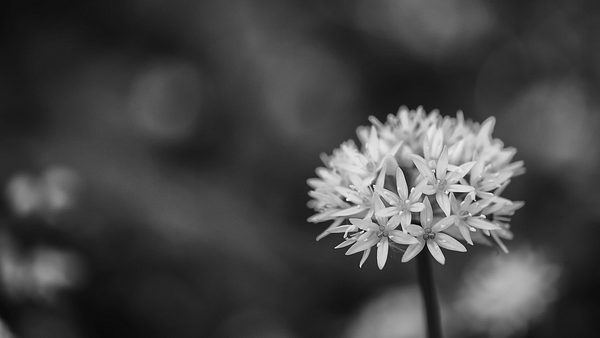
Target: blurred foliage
(191, 128)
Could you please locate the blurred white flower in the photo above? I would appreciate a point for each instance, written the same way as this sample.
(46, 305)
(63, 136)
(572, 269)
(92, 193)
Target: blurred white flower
(166, 100)
(503, 294)
(54, 191)
(4, 331)
(41, 274)
(428, 28)
(396, 313)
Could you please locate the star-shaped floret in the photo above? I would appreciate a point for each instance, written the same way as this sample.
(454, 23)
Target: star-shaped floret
(440, 181)
(467, 218)
(432, 236)
(402, 204)
(374, 234)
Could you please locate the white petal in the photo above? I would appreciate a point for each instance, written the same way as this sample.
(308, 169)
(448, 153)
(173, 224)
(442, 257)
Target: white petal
(443, 201)
(382, 252)
(412, 251)
(442, 164)
(481, 224)
(364, 224)
(354, 210)
(405, 219)
(466, 234)
(387, 212)
(401, 184)
(436, 252)
(402, 238)
(381, 178)
(364, 257)
(414, 230)
(460, 188)
(361, 245)
(344, 244)
(393, 222)
(444, 223)
(422, 167)
(460, 172)
(427, 213)
(388, 196)
(429, 189)
(447, 242)
(417, 207)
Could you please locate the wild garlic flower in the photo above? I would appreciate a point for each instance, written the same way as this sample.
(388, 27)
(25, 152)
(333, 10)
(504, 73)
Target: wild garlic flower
(371, 193)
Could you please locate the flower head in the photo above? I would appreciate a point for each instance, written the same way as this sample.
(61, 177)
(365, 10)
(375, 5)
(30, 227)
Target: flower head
(372, 193)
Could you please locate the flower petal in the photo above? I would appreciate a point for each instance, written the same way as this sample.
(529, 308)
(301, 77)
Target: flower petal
(427, 213)
(388, 196)
(460, 172)
(381, 177)
(412, 251)
(466, 234)
(401, 184)
(344, 244)
(387, 212)
(443, 201)
(436, 252)
(405, 218)
(442, 164)
(481, 224)
(415, 230)
(448, 242)
(364, 224)
(444, 223)
(352, 211)
(417, 207)
(460, 188)
(422, 167)
(362, 245)
(364, 257)
(382, 252)
(402, 238)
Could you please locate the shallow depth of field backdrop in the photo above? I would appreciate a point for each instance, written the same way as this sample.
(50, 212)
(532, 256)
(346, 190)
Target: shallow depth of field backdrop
(154, 157)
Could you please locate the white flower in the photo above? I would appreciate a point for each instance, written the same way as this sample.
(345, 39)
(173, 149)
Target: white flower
(379, 234)
(366, 192)
(431, 235)
(440, 181)
(500, 295)
(404, 203)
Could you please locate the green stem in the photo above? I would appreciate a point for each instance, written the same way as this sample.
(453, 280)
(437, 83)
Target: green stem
(430, 300)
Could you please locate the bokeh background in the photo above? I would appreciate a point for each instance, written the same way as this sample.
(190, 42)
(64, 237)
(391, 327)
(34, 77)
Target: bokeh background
(154, 157)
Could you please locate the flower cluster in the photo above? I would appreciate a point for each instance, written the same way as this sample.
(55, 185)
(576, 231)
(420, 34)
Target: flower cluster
(449, 172)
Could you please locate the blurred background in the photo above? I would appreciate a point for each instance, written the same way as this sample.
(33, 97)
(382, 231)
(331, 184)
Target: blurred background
(154, 157)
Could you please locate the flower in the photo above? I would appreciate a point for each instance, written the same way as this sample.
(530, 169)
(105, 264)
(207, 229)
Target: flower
(501, 296)
(366, 191)
(404, 203)
(371, 234)
(465, 217)
(431, 235)
(443, 181)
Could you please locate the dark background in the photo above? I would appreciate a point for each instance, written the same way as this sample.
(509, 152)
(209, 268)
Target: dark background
(192, 127)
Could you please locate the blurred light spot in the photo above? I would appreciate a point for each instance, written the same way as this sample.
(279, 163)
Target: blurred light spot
(428, 28)
(305, 88)
(254, 323)
(395, 314)
(4, 331)
(501, 295)
(41, 274)
(166, 100)
(554, 124)
(49, 194)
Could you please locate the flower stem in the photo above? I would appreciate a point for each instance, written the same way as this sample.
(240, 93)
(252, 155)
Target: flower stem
(430, 300)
